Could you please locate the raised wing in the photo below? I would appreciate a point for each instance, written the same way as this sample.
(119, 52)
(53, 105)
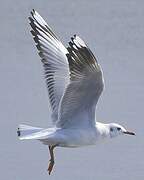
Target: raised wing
(77, 107)
(53, 57)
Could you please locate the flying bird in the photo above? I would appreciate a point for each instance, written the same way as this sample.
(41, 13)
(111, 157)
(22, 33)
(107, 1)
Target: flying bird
(75, 82)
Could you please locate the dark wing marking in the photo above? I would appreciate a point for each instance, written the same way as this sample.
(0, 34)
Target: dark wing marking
(77, 107)
(53, 57)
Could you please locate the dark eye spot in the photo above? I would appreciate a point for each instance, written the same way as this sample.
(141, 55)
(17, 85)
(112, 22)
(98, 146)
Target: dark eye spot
(111, 129)
(118, 129)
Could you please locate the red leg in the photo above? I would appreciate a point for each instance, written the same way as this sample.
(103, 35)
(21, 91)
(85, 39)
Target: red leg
(51, 164)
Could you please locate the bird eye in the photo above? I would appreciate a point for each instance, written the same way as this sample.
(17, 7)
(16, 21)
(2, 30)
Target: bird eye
(118, 129)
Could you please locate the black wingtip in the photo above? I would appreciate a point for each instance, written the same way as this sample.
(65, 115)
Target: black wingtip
(32, 12)
(75, 35)
(30, 20)
(18, 132)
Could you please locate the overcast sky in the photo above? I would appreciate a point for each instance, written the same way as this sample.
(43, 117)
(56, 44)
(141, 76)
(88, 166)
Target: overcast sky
(114, 30)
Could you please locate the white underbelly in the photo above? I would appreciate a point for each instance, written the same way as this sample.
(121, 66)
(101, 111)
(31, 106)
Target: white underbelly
(72, 137)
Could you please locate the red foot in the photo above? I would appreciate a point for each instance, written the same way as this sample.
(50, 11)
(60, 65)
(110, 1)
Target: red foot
(50, 167)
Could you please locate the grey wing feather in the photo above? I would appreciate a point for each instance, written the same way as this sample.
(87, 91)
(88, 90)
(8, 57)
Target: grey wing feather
(53, 57)
(77, 107)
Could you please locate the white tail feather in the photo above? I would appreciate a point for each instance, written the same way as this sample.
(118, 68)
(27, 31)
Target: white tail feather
(25, 131)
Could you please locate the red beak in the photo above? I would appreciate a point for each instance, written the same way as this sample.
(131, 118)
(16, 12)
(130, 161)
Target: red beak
(129, 133)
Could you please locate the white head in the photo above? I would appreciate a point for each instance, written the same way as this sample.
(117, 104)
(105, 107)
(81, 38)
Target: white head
(116, 129)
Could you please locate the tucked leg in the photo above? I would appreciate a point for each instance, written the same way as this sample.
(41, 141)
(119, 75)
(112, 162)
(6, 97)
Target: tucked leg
(51, 164)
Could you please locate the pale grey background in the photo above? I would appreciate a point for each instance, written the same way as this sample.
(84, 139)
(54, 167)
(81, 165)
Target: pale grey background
(114, 30)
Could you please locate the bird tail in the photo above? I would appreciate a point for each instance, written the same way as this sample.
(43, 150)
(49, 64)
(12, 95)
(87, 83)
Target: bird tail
(26, 132)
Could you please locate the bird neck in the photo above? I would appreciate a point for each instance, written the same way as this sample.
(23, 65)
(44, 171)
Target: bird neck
(103, 130)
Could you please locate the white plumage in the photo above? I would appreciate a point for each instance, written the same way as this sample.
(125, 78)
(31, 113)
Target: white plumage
(75, 82)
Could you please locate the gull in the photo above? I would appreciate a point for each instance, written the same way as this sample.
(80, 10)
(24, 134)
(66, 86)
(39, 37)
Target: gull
(75, 82)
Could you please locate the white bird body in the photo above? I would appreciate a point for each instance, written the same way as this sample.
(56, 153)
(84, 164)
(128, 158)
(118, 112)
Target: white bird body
(71, 137)
(75, 82)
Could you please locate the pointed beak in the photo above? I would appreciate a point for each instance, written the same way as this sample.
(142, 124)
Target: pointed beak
(129, 133)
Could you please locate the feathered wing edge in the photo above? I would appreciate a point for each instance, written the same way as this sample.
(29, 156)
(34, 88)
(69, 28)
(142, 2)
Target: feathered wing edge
(86, 85)
(54, 60)
(83, 67)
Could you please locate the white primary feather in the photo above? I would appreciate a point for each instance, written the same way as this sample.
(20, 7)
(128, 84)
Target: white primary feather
(53, 57)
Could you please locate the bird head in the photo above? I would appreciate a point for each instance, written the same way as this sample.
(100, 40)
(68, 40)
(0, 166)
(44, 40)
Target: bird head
(116, 129)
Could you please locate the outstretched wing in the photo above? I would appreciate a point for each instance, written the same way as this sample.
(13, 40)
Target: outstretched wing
(53, 57)
(77, 107)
